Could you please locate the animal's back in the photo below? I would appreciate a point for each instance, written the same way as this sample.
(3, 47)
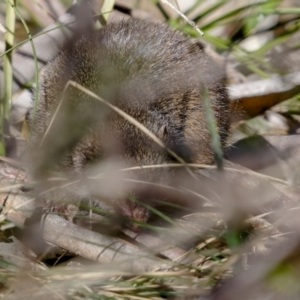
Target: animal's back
(150, 71)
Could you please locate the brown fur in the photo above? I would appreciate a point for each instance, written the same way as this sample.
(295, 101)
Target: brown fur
(153, 73)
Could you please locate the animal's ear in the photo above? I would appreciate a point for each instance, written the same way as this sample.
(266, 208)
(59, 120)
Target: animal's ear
(163, 133)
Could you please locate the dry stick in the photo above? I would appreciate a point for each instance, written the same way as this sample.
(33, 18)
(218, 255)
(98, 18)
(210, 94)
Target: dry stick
(17, 208)
(88, 244)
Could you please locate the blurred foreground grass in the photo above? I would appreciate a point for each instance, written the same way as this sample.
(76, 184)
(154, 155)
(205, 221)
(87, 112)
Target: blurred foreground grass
(227, 256)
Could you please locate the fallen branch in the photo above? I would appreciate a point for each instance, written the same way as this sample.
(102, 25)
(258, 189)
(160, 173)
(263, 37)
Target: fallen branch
(17, 208)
